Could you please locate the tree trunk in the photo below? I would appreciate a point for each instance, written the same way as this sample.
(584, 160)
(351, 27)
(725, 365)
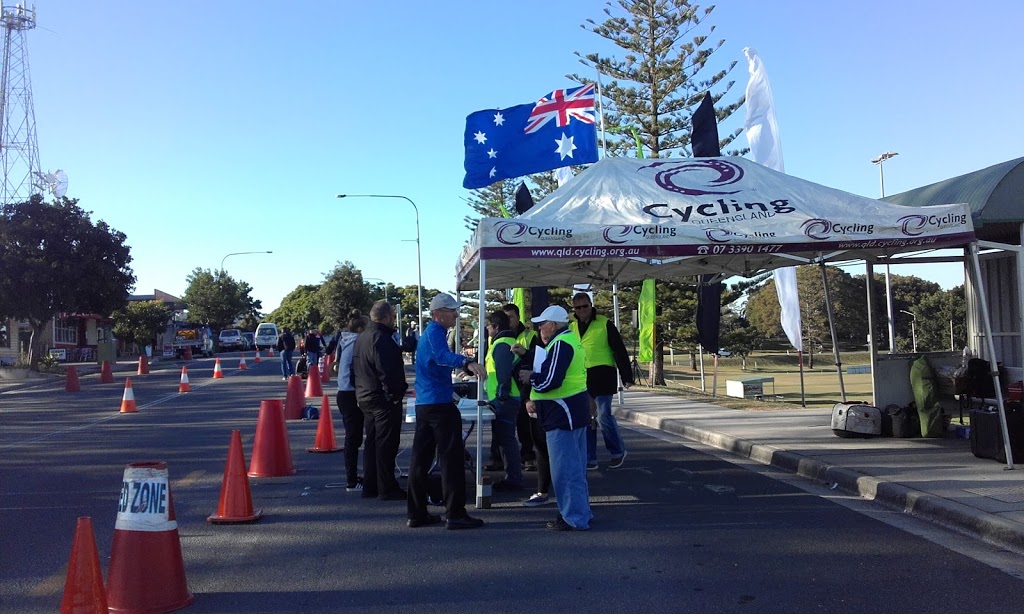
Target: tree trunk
(658, 367)
(34, 345)
(693, 360)
(810, 355)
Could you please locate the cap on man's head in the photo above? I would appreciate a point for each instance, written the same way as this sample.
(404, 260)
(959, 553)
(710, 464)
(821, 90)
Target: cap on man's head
(554, 313)
(443, 301)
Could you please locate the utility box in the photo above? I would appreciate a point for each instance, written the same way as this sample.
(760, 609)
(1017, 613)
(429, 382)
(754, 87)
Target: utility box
(748, 387)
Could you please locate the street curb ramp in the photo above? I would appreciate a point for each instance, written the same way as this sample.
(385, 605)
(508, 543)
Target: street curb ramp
(987, 527)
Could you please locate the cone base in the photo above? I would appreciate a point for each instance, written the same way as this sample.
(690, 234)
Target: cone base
(325, 450)
(125, 410)
(215, 519)
(267, 474)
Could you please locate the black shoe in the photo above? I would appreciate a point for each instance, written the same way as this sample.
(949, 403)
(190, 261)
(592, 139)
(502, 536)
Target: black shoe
(493, 466)
(394, 495)
(368, 494)
(507, 486)
(426, 521)
(529, 466)
(465, 522)
(559, 524)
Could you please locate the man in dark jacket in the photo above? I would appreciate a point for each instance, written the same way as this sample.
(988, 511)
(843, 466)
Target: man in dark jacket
(286, 345)
(378, 373)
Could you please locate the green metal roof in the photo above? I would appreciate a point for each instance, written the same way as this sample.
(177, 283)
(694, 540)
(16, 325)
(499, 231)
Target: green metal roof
(995, 194)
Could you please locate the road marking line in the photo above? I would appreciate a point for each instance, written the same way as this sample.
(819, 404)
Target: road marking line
(51, 585)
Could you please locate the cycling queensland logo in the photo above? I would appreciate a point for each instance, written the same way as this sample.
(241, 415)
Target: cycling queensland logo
(703, 176)
(623, 233)
(510, 233)
(514, 233)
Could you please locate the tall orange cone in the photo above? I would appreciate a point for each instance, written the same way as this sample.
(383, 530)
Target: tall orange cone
(270, 352)
(106, 374)
(143, 365)
(217, 373)
(235, 498)
(71, 380)
(314, 389)
(294, 402)
(325, 441)
(256, 358)
(146, 572)
(187, 354)
(241, 363)
(271, 452)
(183, 385)
(325, 376)
(83, 587)
(128, 400)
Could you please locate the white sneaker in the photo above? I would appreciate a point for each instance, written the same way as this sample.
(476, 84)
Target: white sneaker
(357, 488)
(537, 500)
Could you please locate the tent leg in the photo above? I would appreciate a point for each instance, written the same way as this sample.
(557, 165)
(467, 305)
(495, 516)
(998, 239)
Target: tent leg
(615, 310)
(832, 328)
(483, 492)
(986, 324)
(869, 271)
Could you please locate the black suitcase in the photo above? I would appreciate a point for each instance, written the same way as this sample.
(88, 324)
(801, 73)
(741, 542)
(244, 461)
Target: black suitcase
(987, 436)
(905, 422)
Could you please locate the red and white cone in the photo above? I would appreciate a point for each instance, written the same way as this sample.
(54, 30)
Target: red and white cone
(256, 359)
(128, 400)
(241, 363)
(217, 373)
(183, 386)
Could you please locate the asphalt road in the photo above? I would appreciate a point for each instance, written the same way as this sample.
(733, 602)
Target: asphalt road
(677, 529)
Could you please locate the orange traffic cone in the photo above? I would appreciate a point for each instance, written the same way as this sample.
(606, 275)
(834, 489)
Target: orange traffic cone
(106, 374)
(143, 365)
(235, 499)
(271, 453)
(314, 389)
(71, 380)
(187, 354)
(128, 401)
(241, 363)
(183, 386)
(83, 587)
(270, 352)
(325, 441)
(217, 373)
(294, 402)
(146, 572)
(256, 358)
(325, 376)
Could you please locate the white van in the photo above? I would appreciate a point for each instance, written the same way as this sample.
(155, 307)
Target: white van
(266, 336)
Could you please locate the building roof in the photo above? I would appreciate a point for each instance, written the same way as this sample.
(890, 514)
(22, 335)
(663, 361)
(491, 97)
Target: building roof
(995, 195)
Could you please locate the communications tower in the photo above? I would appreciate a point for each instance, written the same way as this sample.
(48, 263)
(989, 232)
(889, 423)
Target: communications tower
(19, 149)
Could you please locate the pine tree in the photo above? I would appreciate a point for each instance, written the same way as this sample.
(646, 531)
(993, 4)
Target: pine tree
(655, 89)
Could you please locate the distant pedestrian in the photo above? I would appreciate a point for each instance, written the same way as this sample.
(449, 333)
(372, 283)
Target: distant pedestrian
(286, 346)
(379, 380)
(314, 348)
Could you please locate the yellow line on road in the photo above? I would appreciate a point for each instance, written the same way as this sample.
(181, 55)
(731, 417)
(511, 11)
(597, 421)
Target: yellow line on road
(188, 480)
(52, 585)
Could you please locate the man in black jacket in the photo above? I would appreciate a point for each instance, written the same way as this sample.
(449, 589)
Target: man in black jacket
(378, 373)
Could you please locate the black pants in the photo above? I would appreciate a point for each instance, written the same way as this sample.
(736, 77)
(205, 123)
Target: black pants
(354, 422)
(525, 433)
(438, 428)
(540, 440)
(383, 433)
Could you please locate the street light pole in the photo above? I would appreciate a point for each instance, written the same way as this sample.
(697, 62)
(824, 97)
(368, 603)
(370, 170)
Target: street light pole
(419, 261)
(381, 281)
(239, 254)
(888, 282)
(913, 328)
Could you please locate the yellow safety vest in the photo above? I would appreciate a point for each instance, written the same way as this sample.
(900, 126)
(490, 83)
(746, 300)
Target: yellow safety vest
(492, 372)
(526, 337)
(575, 380)
(595, 342)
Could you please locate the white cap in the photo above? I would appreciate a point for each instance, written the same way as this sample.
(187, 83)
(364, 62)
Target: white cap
(554, 313)
(443, 301)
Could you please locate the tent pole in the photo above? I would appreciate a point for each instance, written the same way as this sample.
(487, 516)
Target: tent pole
(986, 325)
(700, 351)
(615, 309)
(869, 274)
(483, 498)
(832, 328)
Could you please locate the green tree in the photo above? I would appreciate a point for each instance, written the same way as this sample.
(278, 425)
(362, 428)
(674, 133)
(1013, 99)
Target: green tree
(140, 321)
(217, 299)
(935, 314)
(342, 290)
(55, 259)
(299, 310)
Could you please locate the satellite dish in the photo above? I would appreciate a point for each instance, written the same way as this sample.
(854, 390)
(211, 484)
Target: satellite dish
(59, 184)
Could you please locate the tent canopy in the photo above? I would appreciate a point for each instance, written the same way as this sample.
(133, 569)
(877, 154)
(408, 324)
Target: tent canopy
(627, 219)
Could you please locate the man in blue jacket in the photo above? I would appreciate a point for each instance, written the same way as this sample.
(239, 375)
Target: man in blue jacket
(438, 421)
(562, 405)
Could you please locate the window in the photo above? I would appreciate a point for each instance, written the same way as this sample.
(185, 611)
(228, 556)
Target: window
(65, 330)
(5, 336)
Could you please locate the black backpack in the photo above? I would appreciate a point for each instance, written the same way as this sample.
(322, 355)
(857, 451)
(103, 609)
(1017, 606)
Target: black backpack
(979, 379)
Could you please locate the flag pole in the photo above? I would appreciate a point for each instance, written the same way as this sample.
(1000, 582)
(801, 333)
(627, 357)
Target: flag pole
(600, 114)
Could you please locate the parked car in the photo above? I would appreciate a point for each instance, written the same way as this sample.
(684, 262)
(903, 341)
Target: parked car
(266, 336)
(230, 339)
(250, 340)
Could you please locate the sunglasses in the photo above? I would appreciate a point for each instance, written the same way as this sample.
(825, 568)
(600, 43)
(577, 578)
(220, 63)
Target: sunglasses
(581, 306)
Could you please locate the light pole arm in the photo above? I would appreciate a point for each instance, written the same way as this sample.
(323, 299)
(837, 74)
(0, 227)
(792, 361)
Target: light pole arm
(240, 254)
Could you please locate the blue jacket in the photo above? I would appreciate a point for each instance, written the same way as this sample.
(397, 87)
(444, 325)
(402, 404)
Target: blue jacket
(434, 364)
(566, 414)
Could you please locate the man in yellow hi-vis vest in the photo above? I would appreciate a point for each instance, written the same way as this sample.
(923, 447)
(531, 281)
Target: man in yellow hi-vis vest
(503, 397)
(605, 354)
(562, 405)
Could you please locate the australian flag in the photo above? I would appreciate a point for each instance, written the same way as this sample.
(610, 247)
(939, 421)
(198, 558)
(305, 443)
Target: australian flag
(558, 130)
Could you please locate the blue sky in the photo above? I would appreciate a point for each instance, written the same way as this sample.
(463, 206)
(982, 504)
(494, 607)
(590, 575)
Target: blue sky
(205, 128)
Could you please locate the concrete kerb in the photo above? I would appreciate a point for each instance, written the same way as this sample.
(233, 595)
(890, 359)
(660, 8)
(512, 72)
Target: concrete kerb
(962, 518)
